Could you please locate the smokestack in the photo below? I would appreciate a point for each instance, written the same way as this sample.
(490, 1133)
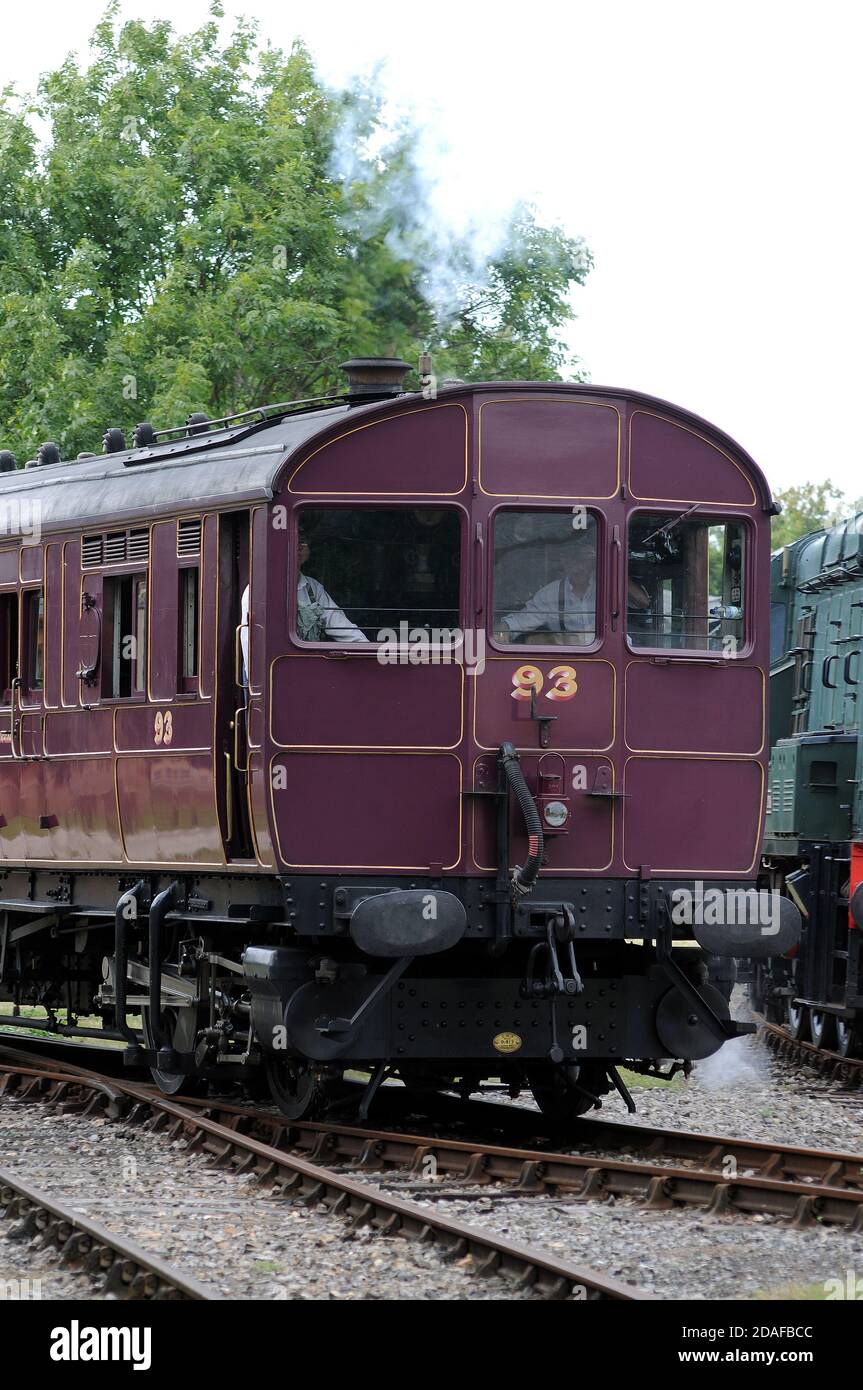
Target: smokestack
(374, 378)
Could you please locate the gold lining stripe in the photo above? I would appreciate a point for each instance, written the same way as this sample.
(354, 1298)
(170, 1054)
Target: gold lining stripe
(558, 872)
(554, 400)
(380, 868)
(167, 863)
(702, 501)
(360, 747)
(593, 661)
(707, 758)
(694, 752)
(387, 419)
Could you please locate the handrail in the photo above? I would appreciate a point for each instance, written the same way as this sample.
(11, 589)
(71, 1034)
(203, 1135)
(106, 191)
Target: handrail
(16, 685)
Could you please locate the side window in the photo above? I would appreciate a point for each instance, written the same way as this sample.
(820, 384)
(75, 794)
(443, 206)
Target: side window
(34, 638)
(124, 636)
(187, 635)
(376, 574)
(545, 577)
(685, 589)
(8, 644)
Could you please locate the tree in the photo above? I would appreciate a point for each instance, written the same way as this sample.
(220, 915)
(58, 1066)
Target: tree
(806, 508)
(207, 228)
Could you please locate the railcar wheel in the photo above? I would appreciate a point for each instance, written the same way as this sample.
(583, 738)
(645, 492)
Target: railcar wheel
(294, 1088)
(798, 1021)
(565, 1092)
(849, 1042)
(179, 1027)
(823, 1026)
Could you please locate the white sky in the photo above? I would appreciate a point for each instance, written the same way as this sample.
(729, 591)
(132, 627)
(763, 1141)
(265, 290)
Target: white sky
(709, 153)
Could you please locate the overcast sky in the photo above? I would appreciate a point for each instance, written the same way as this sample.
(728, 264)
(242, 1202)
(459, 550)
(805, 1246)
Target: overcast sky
(709, 153)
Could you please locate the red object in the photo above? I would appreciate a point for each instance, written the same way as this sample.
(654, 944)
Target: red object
(856, 876)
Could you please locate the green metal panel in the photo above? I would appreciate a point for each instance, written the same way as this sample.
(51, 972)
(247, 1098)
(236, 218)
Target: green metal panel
(811, 787)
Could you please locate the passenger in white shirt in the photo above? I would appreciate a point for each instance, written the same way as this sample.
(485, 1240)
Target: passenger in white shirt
(560, 611)
(319, 617)
(563, 611)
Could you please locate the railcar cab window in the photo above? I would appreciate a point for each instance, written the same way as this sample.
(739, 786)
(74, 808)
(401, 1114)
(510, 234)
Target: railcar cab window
(686, 588)
(187, 636)
(545, 569)
(8, 644)
(124, 637)
(377, 574)
(34, 639)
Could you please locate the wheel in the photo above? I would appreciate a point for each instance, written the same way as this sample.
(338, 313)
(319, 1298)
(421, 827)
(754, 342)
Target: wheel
(823, 1027)
(179, 1028)
(565, 1092)
(798, 1021)
(849, 1039)
(293, 1087)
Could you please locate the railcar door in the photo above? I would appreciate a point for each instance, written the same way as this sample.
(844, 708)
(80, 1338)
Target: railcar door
(232, 689)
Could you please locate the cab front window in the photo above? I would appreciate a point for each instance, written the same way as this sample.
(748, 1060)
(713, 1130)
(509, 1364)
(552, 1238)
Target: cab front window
(686, 584)
(545, 567)
(377, 574)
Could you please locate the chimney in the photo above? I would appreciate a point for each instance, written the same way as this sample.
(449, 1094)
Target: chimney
(374, 378)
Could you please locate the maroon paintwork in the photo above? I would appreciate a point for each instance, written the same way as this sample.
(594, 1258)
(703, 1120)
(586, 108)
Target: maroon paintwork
(379, 761)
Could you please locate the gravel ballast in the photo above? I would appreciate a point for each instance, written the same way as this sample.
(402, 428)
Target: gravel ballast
(219, 1227)
(227, 1231)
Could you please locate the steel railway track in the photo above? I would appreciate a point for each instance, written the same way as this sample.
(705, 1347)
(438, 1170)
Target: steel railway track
(723, 1175)
(832, 1065)
(304, 1179)
(121, 1267)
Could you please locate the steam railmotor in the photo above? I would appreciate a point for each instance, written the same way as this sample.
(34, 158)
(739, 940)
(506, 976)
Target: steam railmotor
(383, 734)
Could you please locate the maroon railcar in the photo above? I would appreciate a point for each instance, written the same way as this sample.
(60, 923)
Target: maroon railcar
(389, 734)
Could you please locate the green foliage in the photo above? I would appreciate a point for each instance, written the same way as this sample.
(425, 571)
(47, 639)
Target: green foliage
(207, 228)
(806, 508)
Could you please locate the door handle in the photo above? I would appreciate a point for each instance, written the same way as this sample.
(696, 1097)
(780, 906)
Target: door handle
(16, 685)
(616, 554)
(239, 717)
(478, 568)
(825, 672)
(241, 677)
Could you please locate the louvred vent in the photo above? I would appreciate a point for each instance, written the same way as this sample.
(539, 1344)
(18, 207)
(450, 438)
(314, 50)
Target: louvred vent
(91, 550)
(188, 538)
(117, 548)
(138, 547)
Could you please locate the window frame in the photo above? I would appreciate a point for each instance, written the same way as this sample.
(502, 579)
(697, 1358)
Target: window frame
(188, 684)
(28, 646)
(110, 583)
(602, 579)
(10, 628)
(713, 517)
(371, 647)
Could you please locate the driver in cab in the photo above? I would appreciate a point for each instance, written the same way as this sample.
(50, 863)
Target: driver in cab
(564, 611)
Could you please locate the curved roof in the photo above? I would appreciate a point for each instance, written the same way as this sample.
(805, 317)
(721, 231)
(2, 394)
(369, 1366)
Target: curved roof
(242, 463)
(201, 471)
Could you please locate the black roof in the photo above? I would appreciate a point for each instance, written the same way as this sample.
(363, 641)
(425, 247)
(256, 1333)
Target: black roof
(186, 474)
